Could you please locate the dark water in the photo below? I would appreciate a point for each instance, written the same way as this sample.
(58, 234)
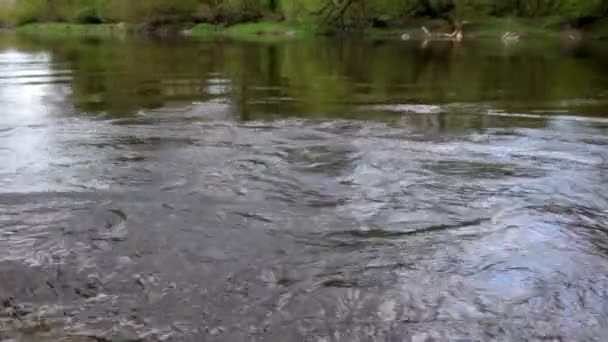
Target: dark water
(331, 190)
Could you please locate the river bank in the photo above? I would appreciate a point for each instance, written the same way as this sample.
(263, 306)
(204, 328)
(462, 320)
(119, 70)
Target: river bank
(282, 30)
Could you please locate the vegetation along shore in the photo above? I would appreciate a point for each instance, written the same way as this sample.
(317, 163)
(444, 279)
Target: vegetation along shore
(247, 19)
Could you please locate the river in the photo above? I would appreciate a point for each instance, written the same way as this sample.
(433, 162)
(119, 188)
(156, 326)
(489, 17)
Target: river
(320, 190)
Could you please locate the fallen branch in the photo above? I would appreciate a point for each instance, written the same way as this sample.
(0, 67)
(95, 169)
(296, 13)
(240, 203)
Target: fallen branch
(510, 37)
(457, 35)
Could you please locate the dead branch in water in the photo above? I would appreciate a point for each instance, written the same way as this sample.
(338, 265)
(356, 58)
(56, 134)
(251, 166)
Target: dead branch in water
(457, 35)
(509, 37)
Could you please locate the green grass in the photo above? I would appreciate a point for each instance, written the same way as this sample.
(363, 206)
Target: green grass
(64, 29)
(205, 31)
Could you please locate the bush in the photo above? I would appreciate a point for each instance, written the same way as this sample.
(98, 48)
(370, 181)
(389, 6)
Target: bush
(88, 16)
(151, 11)
(30, 11)
(235, 11)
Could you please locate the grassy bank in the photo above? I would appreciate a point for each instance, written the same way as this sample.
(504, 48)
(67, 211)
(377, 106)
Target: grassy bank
(340, 15)
(278, 31)
(264, 31)
(64, 29)
(247, 31)
(495, 27)
(485, 28)
(482, 28)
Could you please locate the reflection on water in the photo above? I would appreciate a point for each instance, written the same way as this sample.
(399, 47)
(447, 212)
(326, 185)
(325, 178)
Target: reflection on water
(314, 78)
(302, 191)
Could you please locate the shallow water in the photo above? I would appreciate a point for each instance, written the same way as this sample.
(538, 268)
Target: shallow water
(327, 190)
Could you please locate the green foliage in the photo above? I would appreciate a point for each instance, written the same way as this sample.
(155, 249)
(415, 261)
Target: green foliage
(331, 12)
(150, 11)
(30, 11)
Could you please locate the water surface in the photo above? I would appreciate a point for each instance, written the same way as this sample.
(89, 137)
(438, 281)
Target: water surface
(325, 190)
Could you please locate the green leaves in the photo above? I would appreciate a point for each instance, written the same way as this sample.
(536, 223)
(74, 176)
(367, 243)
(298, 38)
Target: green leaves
(343, 12)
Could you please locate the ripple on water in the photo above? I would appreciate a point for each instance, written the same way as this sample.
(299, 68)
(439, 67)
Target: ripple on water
(482, 170)
(312, 229)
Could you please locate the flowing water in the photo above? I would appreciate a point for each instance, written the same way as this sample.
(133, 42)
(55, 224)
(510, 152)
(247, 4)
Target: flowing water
(325, 190)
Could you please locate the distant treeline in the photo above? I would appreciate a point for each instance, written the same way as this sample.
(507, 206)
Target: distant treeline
(335, 12)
